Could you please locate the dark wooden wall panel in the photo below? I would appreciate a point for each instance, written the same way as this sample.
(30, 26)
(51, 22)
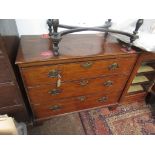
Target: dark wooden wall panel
(11, 98)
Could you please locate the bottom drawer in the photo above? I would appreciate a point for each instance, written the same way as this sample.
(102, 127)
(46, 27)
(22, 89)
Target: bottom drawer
(74, 104)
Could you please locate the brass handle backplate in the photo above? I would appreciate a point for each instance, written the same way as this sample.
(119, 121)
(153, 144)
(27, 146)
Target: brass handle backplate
(87, 65)
(108, 83)
(53, 73)
(55, 91)
(55, 107)
(113, 66)
(84, 82)
(103, 99)
(81, 98)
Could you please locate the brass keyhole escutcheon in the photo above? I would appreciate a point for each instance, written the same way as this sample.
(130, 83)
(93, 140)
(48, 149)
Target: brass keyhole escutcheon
(81, 98)
(108, 83)
(103, 99)
(84, 82)
(113, 66)
(87, 65)
(55, 107)
(55, 92)
(53, 73)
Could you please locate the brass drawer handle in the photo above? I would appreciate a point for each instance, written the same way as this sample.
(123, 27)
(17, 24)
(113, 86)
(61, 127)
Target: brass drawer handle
(103, 99)
(108, 83)
(55, 91)
(53, 73)
(81, 98)
(87, 65)
(84, 82)
(55, 107)
(113, 66)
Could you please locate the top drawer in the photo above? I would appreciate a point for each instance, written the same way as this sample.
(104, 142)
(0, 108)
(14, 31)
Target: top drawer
(72, 71)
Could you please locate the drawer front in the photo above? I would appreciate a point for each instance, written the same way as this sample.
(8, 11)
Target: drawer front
(74, 71)
(4, 71)
(74, 104)
(8, 95)
(47, 93)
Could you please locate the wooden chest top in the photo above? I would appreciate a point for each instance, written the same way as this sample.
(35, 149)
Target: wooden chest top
(73, 47)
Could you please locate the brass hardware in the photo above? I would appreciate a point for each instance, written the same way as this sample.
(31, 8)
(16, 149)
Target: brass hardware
(55, 107)
(84, 82)
(87, 64)
(81, 98)
(55, 91)
(108, 83)
(113, 66)
(53, 73)
(103, 99)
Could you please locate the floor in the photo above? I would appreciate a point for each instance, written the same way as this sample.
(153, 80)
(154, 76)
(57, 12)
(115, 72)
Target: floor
(63, 125)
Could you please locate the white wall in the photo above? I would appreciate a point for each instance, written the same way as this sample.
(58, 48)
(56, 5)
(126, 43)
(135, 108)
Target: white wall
(39, 26)
(30, 26)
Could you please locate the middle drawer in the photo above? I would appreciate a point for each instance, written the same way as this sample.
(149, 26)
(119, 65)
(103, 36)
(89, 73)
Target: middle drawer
(46, 93)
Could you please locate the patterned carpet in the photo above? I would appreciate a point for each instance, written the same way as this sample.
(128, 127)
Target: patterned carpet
(133, 119)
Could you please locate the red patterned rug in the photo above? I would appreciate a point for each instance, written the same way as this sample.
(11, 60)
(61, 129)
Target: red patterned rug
(132, 119)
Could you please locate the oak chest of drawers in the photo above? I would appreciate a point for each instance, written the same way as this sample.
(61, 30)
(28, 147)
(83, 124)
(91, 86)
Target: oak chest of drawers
(90, 72)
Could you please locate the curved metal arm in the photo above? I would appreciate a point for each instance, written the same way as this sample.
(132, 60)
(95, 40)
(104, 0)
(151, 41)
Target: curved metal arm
(95, 29)
(75, 27)
(56, 36)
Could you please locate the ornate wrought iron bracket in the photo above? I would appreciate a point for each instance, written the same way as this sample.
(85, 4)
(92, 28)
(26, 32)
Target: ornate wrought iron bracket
(56, 36)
